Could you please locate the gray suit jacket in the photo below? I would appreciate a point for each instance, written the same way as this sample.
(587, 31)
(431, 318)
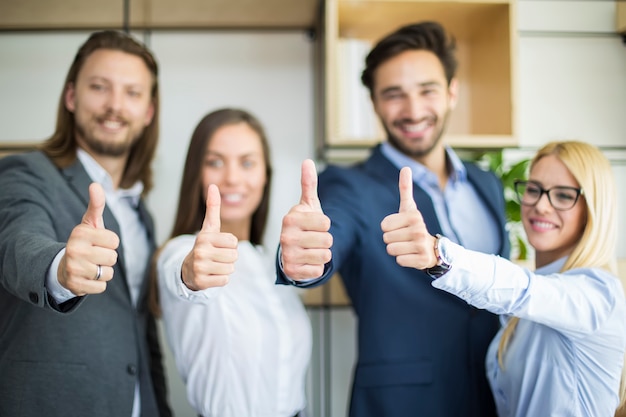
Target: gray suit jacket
(81, 357)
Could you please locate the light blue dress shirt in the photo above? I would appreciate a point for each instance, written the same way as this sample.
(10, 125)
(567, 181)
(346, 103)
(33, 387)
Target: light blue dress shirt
(566, 355)
(462, 214)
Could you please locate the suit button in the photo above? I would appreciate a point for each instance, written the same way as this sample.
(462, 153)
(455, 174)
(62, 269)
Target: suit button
(33, 297)
(131, 369)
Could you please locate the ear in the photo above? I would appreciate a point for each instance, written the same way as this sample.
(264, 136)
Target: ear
(374, 103)
(70, 97)
(149, 114)
(453, 92)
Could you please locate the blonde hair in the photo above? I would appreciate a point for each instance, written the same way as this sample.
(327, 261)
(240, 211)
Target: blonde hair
(596, 247)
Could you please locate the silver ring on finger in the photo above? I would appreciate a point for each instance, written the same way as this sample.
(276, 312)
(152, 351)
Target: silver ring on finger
(98, 272)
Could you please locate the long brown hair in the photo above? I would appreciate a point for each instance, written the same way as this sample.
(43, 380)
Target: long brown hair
(191, 202)
(61, 146)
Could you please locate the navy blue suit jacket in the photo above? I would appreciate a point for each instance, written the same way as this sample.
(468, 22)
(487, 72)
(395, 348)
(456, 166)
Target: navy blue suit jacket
(421, 351)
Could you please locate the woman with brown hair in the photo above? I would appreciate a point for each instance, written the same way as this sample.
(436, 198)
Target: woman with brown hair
(233, 332)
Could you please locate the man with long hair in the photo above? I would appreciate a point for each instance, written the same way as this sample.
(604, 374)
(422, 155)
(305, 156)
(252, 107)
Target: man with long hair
(75, 245)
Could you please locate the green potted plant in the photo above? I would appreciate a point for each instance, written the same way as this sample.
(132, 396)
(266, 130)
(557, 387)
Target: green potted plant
(494, 160)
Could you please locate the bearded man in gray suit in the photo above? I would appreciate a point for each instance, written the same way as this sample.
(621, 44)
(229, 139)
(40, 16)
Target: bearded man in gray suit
(76, 240)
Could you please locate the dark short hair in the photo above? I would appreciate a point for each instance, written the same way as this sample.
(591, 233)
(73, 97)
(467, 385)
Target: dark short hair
(428, 36)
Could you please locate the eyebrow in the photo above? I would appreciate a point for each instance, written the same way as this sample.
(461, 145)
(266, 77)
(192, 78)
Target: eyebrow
(540, 184)
(396, 88)
(102, 78)
(209, 152)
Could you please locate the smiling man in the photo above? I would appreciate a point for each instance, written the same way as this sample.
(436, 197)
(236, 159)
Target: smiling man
(420, 352)
(75, 247)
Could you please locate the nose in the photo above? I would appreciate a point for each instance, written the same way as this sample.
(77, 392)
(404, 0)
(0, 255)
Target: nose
(233, 173)
(414, 108)
(543, 204)
(115, 99)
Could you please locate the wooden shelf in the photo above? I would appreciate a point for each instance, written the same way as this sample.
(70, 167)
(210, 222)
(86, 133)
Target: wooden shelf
(158, 14)
(620, 13)
(331, 294)
(231, 13)
(8, 148)
(61, 14)
(486, 49)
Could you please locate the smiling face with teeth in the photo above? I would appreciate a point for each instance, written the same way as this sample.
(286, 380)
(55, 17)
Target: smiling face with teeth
(236, 163)
(111, 101)
(553, 233)
(413, 99)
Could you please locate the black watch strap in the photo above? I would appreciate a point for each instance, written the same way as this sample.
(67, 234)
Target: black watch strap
(443, 266)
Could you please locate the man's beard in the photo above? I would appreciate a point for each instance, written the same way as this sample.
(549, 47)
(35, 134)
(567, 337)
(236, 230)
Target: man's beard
(417, 153)
(104, 148)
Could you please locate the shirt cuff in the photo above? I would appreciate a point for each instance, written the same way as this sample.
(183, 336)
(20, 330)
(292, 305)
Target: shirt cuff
(59, 293)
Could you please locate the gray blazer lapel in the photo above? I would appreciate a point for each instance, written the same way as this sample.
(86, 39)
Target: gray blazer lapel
(146, 218)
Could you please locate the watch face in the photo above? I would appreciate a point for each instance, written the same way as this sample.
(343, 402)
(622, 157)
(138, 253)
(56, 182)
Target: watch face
(443, 265)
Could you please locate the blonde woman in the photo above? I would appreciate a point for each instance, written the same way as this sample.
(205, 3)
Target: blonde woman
(561, 349)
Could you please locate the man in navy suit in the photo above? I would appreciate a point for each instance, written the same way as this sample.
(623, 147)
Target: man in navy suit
(421, 352)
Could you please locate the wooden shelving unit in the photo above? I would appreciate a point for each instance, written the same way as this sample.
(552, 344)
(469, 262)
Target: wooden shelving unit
(485, 33)
(158, 14)
(621, 17)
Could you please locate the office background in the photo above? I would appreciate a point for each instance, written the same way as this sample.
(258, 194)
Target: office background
(571, 83)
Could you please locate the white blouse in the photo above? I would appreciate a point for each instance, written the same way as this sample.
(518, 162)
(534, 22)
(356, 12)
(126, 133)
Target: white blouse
(242, 349)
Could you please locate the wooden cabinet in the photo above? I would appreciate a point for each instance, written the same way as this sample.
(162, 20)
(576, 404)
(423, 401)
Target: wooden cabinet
(621, 17)
(157, 14)
(486, 43)
(331, 293)
(61, 14)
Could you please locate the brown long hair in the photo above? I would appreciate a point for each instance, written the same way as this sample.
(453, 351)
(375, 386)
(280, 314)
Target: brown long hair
(191, 202)
(61, 146)
(428, 36)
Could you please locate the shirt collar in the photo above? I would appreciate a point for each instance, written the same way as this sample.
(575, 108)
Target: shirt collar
(459, 173)
(100, 175)
(552, 268)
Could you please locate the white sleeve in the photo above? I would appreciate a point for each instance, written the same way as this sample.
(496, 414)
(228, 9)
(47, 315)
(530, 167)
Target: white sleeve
(576, 302)
(169, 270)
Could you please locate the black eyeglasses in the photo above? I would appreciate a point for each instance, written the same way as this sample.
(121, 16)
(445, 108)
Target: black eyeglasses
(561, 198)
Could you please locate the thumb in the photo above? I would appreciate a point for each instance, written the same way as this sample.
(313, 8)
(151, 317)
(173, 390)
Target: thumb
(308, 182)
(95, 208)
(405, 184)
(212, 221)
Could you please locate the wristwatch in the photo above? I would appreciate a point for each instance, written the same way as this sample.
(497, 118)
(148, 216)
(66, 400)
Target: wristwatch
(443, 263)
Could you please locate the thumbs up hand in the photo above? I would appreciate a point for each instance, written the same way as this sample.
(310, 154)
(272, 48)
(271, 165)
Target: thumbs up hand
(90, 253)
(405, 232)
(304, 238)
(214, 253)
